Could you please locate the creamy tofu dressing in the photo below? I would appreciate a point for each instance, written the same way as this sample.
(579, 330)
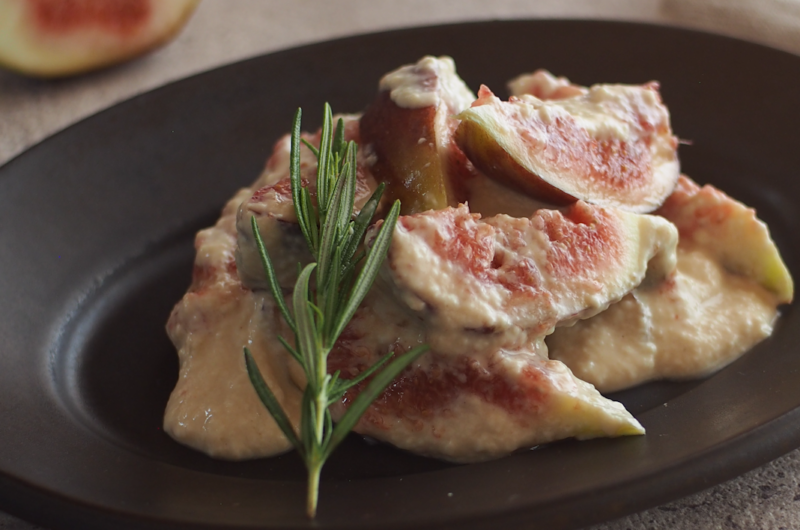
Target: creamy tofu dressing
(603, 110)
(417, 86)
(690, 326)
(618, 112)
(695, 323)
(214, 407)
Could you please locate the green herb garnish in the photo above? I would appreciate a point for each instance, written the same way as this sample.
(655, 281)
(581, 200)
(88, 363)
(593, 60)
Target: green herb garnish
(319, 316)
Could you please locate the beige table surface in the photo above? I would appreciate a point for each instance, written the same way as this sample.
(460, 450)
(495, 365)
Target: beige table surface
(223, 31)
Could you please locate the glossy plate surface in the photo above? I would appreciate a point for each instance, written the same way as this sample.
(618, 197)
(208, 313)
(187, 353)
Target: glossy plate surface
(96, 230)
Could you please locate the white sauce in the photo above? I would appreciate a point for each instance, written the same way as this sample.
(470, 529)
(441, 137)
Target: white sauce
(688, 327)
(214, 407)
(424, 84)
(605, 111)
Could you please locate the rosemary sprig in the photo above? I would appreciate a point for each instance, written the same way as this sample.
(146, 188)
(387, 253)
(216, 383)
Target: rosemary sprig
(320, 315)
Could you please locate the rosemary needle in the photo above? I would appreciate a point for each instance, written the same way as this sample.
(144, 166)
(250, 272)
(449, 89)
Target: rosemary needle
(317, 317)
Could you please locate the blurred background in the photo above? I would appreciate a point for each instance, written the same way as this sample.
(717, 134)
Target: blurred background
(222, 31)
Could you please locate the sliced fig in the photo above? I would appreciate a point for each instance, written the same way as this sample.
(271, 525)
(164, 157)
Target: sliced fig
(54, 38)
(467, 407)
(731, 232)
(721, 301)
(484, 294)
(545, 86)
(501, 281)
(409, 128)
(612, 146)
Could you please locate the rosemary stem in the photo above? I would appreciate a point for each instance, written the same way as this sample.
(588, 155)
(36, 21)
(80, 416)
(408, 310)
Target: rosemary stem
(316, 461)
(314, 470)
(321, 395)
(319, 424)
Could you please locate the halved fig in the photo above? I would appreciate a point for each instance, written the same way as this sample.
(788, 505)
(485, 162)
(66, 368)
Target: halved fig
(731, 232)
(54, 38)
(409, 129)
(499, 282)
(612, 146)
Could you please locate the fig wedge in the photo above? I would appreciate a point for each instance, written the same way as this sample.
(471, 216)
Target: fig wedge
(612, 146)
(409, 128)
(471, 409)
(731, 232)
(722, 300)
(56, 38)
(504, 281)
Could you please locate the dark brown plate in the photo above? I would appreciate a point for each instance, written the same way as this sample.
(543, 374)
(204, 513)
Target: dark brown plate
(96, 228)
